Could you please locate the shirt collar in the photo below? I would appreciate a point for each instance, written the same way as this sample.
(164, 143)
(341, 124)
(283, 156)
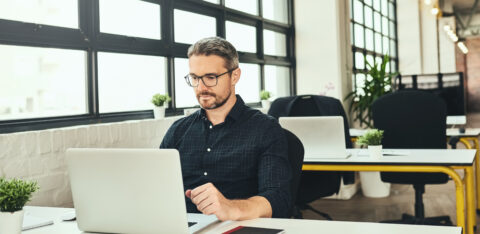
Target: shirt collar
(234, 113)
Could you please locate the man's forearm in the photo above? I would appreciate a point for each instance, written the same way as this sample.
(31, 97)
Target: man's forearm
(254, 207)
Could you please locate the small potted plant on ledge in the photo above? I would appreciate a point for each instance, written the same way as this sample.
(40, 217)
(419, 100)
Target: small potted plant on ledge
(14, 194)
(264, 96)
(159, 101)
(372, 139)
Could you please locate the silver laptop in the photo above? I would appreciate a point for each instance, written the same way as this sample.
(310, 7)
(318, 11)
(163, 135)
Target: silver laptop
(323, 137)
(130, 191)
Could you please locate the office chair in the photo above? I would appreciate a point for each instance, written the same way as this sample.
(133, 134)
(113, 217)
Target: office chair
(314, 184)
(413, 119)
(295, 157)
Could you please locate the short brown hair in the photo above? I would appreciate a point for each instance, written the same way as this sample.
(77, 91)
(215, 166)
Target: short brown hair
(216, 46)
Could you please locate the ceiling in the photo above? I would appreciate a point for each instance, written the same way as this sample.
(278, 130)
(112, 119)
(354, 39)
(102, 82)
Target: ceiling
(463, 4)
(467, 15)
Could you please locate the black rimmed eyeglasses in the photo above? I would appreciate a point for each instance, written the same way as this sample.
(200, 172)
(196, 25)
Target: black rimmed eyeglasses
(208, 80)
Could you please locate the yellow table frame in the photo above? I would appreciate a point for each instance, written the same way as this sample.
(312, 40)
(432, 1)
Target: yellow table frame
(460, 185)
(466, 141)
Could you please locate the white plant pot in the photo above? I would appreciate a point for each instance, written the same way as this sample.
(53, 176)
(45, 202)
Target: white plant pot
(372, 184)
(11, 223)
(159, 112)
(266, 104)
(375, 151)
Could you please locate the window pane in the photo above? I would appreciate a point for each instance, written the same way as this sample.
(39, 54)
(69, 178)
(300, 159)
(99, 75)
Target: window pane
(143, 18)
(370, 61)
(385, 7)
(391, 9)
(378, 43)
(248, 6)
(392, 29)
(377, 22)
(393, 48)
(127, 82)
(376, 5)
(358, 11)
(277, 81)
(360, 82)
(359, 36)
(249, 84)
(369, 39)
(274, 43)
(393, 64)
(242, 36)
(378, 60)
(386, 45)
(368, 2)
(368, 17)
(385, 26)
(63, 13)
(275, 10)
(359, 60)
(41, 82)
(184, 94)
(190, 27)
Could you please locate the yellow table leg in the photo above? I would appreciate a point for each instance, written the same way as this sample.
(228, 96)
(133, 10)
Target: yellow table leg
(465, 141)
(459, 188)
(477, 170)
(470, 192)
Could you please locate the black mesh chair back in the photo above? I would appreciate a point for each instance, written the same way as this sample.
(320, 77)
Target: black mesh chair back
(413, 120)
(313, 184)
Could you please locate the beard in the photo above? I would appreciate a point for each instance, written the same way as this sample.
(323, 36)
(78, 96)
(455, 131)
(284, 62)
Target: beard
(218, 101)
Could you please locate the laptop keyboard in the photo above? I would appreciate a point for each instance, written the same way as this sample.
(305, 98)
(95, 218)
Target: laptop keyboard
(191, 224)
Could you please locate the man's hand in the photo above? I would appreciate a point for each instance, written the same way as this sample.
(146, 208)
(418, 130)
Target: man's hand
(209, 201)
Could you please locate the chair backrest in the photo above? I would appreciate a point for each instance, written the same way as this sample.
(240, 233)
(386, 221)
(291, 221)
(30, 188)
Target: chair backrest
(295, 157)
(411, 119)
(310, 105)
(314, 184)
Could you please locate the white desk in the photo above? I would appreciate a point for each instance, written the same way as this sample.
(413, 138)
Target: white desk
(469, 132)
(469, 138)
(417, 160)
(289, 225)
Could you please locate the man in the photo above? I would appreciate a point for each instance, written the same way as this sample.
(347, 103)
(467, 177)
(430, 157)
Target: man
(234, 158)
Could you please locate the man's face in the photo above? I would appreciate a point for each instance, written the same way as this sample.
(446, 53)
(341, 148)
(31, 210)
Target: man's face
(216, 96)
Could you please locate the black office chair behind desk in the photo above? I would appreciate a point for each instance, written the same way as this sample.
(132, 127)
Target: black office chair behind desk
(295, 157)
(313, 184)
(415, 120)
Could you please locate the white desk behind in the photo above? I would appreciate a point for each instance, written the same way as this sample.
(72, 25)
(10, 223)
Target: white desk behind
(289, 225)
(447, 157)
(469, 132)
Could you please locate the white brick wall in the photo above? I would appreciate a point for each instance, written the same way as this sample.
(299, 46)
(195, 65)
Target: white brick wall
(40, 155)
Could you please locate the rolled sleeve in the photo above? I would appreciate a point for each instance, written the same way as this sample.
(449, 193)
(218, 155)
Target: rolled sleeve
(274, 172)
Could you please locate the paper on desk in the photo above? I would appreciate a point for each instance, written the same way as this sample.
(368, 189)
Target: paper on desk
(30, 222)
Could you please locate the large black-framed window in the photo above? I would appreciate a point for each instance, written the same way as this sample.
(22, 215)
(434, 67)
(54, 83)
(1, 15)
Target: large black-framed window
(94, 61)
(373, 30)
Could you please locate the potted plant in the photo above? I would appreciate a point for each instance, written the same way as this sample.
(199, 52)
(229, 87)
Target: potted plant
(14, 194)
(377, 84)
(264, 96)
(159, 101)
(371, 182)
(372, 139)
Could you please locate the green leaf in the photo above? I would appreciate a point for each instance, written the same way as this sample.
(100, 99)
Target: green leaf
(15, 193)
(374, 87)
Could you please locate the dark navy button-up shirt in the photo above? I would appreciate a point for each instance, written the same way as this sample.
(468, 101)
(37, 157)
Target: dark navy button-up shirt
(244, 156)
